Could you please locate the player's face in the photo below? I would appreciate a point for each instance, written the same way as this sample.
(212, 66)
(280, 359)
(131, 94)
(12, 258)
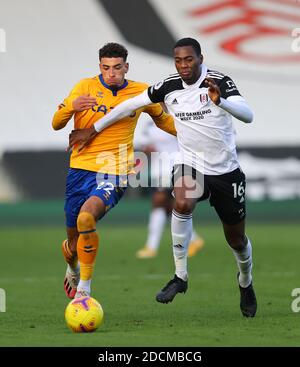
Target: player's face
(188, 63)
(113, 70)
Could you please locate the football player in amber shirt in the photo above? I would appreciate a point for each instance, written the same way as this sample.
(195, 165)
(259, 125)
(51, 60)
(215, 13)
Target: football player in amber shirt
(97, 176)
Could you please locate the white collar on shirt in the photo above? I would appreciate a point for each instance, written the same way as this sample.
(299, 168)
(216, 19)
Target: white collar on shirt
(200, 80)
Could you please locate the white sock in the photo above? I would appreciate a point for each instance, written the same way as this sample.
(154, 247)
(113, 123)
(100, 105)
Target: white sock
(84, 285)
(157, 221)
(75, 270)
(181, 227)
(244, 262)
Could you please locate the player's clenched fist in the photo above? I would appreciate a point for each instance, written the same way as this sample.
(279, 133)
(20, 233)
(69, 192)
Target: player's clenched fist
(84, 102)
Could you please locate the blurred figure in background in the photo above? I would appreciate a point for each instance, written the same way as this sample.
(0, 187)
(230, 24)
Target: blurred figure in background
(149, 139)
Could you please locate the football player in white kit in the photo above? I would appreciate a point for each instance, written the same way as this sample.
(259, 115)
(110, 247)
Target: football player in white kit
(152, 140)
(202, 103)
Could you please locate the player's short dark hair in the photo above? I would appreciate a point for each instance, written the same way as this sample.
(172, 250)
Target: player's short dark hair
(189, 42)
(113, 50)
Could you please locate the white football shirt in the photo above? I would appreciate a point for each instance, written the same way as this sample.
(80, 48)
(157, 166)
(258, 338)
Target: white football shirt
(205, 132)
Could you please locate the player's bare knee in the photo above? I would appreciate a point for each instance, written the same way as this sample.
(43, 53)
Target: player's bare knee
(236, 240)
(184, 206)
(85, 221)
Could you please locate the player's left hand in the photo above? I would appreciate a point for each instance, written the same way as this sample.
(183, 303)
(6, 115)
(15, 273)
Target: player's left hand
(213, 90)
(81, 137)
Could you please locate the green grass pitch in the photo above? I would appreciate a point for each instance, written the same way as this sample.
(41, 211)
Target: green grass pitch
(32, 271)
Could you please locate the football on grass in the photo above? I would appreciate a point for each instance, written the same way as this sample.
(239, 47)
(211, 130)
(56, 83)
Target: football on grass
(84, 314)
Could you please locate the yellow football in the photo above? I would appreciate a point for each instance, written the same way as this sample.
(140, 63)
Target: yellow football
(84, 314)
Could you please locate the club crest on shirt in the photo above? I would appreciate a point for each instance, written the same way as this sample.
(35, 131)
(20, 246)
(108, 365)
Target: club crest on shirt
(203, 98)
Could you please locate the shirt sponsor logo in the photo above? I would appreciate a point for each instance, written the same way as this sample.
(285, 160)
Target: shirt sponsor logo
(231, 90)
(188, 116)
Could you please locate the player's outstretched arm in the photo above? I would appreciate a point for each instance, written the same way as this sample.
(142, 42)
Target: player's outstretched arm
(122, 110)
(237, 108)
(85, 136)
